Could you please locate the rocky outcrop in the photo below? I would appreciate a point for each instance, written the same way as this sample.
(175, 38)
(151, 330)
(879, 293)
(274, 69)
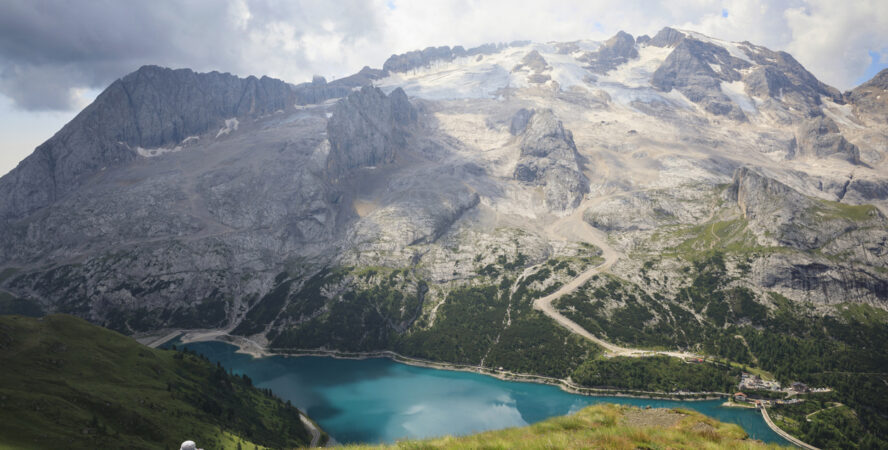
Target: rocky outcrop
(778, 75)
(416, 213)
(422, 58)
(615, 51)
(149, 108)
(820, 281)
(319, 91)
(368, 128)
(697, 69)
(536, 65)
(814, 235)
(780, 215)
(759, 196)
(549, 158)
(820, 137)
(519, 121)
(645, 210)
(667, 37)
(871, 98)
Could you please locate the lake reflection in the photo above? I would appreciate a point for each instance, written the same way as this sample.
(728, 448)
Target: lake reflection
(379, 400)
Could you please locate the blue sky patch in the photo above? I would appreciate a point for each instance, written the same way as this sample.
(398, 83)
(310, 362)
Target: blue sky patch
(876, 65)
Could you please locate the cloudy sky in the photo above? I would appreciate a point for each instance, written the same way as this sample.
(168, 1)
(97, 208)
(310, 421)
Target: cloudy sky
(56, 56)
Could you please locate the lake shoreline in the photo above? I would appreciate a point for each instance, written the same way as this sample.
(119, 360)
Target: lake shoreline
(257, 350)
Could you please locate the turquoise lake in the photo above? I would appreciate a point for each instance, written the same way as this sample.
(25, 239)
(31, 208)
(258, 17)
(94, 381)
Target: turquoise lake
(379, 400)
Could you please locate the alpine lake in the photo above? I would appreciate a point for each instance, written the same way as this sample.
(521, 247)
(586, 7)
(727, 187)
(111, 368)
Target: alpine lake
(378, 400)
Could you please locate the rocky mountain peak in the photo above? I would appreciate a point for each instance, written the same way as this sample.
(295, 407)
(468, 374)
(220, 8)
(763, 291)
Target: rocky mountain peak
(880, 81)
(151, 107)
(697, 69)
(367, 129)
(820, 137)
(871, 98)
(758, 195)
(549, 158)
(667, 37)
(615, 51)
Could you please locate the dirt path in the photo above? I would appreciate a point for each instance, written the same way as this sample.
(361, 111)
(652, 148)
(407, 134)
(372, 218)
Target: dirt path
(573, 227)
(808, 417)
(315, 432)
(157, 341)
(784, 434)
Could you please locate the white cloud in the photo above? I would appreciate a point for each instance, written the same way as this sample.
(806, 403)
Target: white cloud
(832, 39)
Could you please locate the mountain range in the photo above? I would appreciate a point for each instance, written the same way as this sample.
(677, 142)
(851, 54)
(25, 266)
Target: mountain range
(675, 192)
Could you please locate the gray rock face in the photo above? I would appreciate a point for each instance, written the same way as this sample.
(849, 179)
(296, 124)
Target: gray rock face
(533, 61)
(760, 197)
(778, 75)
(367, 129)
(149, 108)
(364, 77)
(536, 65)
(638, 211)
(871, 98)
(667, 37)
(419, 58)
(318, 91)
(689, 68)
(779, 215)
(422, 58)
(786, 217)
(867, 190)
(820, 137)
(519, 121)
(549, 158)
(415, 213)
(615, 51)
(819, 281)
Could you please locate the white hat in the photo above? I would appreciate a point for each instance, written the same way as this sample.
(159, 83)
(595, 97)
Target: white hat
(188, 445)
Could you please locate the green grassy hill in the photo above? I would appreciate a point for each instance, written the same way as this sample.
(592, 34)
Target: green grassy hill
(65, 383)
(605, 426)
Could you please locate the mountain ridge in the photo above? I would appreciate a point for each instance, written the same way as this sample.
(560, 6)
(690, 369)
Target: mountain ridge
(424, 207)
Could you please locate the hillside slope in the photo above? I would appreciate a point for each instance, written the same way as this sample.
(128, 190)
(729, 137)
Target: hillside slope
(67, 384)
(605, 426)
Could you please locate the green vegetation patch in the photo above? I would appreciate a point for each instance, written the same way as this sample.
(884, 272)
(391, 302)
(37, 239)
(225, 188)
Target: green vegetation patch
(656, 373)
(603, 426)
(79, 386)
(836, 211)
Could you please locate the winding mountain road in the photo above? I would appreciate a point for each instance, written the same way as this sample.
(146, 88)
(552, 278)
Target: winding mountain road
(315, 432)
(573, 227)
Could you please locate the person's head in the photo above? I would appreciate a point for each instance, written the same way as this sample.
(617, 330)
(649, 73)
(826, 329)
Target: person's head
(188, 445)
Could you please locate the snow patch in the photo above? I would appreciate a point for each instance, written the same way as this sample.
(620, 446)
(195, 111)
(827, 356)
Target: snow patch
(735, 49)
(230, 125)
(566, 71)
(153, 152)
(841, 114)
(736, 91)
(638, 72)
(471, 78)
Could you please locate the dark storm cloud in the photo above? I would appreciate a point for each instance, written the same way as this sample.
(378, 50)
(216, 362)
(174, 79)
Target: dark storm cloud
(50, 48)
